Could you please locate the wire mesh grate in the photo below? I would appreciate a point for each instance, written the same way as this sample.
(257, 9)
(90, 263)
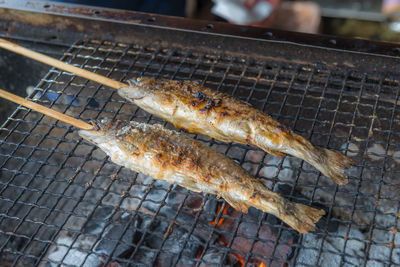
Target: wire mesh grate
(63, 202)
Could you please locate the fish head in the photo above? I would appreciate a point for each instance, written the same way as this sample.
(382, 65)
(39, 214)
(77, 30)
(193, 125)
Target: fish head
(101, 129)
(138, 88)
(93, 136)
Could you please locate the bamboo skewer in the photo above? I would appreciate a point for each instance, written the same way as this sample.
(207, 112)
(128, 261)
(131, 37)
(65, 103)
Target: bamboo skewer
(61, 65)
(45, 110)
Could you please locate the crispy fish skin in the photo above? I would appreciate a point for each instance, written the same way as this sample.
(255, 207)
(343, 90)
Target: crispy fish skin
(173, 157)
(197, 109)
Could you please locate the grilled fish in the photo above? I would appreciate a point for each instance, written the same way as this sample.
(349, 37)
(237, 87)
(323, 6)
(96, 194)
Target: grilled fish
(197, 109)
(178, 159)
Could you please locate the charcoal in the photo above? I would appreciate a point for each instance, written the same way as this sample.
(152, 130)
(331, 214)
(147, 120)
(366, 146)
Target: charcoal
(117, 239)
(64, 203)
(210, 208)
(213, 257)
(123, 242)
(96, 223)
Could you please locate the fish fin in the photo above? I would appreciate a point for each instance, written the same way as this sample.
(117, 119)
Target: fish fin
(276, 154)
(187, 183)
(333, 165)
(191, 187)
(236, 204)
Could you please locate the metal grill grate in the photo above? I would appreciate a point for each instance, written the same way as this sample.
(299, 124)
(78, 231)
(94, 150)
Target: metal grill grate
(63, 202)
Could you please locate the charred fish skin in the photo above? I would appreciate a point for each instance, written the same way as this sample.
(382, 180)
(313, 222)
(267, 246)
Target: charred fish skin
(176, 158)
(197, 109)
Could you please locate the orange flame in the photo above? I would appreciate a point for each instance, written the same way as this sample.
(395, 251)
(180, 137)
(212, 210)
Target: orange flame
(262, 264)
(221, 220)
(234, 254)
(219, 223)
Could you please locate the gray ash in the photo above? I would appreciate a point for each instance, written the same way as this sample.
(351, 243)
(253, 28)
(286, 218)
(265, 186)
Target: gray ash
(141, 240)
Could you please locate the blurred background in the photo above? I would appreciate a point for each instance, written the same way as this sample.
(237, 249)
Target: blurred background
(369, 19)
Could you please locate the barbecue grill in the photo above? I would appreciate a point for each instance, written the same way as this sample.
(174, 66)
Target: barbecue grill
(63, 202)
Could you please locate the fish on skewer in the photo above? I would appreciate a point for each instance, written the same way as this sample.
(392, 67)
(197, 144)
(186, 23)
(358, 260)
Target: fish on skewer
(178, 159)
(197, 109)
(191, 106)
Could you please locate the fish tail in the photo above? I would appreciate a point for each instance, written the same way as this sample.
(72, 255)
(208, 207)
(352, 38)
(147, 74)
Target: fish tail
(301, 217)
(328, 162)
(333, 165)
(298, 216)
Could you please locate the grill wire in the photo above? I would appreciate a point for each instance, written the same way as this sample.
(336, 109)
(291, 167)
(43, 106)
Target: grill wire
(62, 201)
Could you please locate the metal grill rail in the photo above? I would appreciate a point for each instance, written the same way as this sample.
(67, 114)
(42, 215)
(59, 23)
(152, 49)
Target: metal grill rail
(62, 201)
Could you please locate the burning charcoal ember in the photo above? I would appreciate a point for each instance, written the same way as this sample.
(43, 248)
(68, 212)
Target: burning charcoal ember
(266, 238)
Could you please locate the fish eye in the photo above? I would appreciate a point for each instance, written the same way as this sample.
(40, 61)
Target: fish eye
(138, 79)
